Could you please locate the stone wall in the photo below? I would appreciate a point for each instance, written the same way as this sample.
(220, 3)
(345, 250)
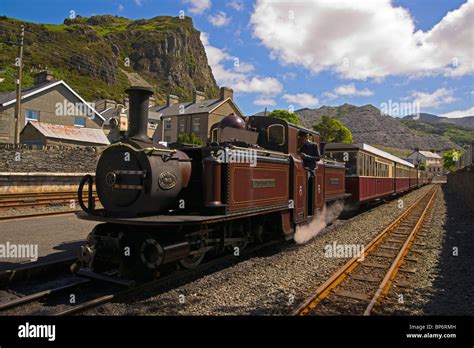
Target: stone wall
(50, 159)
(461, 183)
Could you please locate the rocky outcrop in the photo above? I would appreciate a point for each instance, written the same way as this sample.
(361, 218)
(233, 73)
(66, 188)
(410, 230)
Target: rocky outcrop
(369, 125)
(97, 55)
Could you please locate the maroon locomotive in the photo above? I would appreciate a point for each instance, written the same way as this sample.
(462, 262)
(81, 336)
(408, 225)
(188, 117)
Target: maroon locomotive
(163, 204)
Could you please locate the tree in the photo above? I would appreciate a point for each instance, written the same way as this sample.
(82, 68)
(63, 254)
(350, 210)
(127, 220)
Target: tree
(449, 160)
(286, 115)
(422, 166)
(193, 139)
(333, 131)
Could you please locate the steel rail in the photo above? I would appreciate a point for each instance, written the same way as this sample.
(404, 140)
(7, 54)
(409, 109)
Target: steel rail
(387, 282)
(324, 289)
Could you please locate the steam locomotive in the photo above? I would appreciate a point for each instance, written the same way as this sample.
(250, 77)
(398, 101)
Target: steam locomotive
(177, 204)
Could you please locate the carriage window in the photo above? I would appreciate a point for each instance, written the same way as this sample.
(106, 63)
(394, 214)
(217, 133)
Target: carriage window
(351, 164)
(367, 165)
(276, 134)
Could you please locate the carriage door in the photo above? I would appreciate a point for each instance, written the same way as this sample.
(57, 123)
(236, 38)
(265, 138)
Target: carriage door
(300, 180)
(319, 188)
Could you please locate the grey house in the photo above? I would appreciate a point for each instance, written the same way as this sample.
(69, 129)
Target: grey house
(47, 101)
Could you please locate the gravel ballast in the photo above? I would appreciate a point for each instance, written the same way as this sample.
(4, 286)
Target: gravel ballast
(272, 284)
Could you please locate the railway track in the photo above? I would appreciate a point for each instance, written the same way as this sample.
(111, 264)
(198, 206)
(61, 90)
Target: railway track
(52, 300)
(37, 200)
(362, 282)
(22, 200)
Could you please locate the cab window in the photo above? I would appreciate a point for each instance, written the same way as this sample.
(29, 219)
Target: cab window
(276, 134)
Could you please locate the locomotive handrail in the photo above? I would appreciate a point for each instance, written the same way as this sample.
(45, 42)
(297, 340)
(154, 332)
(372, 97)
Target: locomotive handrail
(146, 149)
(261, 150)
(90, 199)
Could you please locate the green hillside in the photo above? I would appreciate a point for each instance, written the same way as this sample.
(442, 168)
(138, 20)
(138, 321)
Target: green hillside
(457, 134)
(100, 56)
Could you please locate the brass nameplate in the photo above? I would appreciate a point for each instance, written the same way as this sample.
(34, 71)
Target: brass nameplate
(334, 181)
(263, 183)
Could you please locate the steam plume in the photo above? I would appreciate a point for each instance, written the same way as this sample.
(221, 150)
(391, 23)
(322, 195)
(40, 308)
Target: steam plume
(306, 232)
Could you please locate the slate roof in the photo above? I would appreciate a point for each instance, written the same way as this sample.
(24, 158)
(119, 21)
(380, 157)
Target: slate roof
(189, 108)
(429, 154)
(10, 97)
(71, 133)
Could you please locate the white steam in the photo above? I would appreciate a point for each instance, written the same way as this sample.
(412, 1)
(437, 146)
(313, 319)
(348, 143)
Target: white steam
(306, 232)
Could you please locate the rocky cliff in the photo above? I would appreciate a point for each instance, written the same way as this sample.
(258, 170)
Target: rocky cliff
(100, 56)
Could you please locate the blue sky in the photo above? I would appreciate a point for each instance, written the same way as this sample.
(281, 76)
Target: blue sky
(290, 55)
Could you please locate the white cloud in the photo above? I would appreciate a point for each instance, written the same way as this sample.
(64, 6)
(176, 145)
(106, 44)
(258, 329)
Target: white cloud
(138, 2)
(198, 7)
(373, 39)
(351, 90)
(237, 5)
(301, 99)
(264, 102)
(459, 113)
(238, 77)
(329, 95)
(244, 67)
(288, 76)
(220, 19)
(433, 100)
(347, 90)
(120, 8)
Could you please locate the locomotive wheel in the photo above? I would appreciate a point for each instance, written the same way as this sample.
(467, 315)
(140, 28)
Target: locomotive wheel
(192, 261)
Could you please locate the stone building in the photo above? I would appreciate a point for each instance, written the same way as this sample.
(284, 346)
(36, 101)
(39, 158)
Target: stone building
(48, 101)
(192, 117)
(431, 160)
(44, 134)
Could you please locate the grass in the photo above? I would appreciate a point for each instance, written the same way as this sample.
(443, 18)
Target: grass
(80, 53)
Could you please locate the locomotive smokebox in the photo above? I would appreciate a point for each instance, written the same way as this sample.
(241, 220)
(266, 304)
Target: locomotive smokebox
(136, 176)
(138, 112)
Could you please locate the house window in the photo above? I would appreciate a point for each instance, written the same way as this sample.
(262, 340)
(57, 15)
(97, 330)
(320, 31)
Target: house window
(196, 124)
(79, 121)
(152, 125)
(182, 125)
(31, 115)
(215, 134)
(167, 139)
(167, 124)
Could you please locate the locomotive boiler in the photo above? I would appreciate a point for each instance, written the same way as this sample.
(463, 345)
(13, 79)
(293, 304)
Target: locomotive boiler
(175, 205)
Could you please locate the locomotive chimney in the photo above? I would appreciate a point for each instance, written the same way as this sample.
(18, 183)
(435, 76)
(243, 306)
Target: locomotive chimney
(138, 112)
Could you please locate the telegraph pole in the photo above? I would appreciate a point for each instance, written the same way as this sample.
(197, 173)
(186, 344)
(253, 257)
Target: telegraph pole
(19, 63)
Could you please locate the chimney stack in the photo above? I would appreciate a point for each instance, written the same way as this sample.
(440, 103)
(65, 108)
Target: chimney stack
(138, 112)
(125, 102)
(43, 76)
(198, 96)
(226, 92)
(172, 99)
